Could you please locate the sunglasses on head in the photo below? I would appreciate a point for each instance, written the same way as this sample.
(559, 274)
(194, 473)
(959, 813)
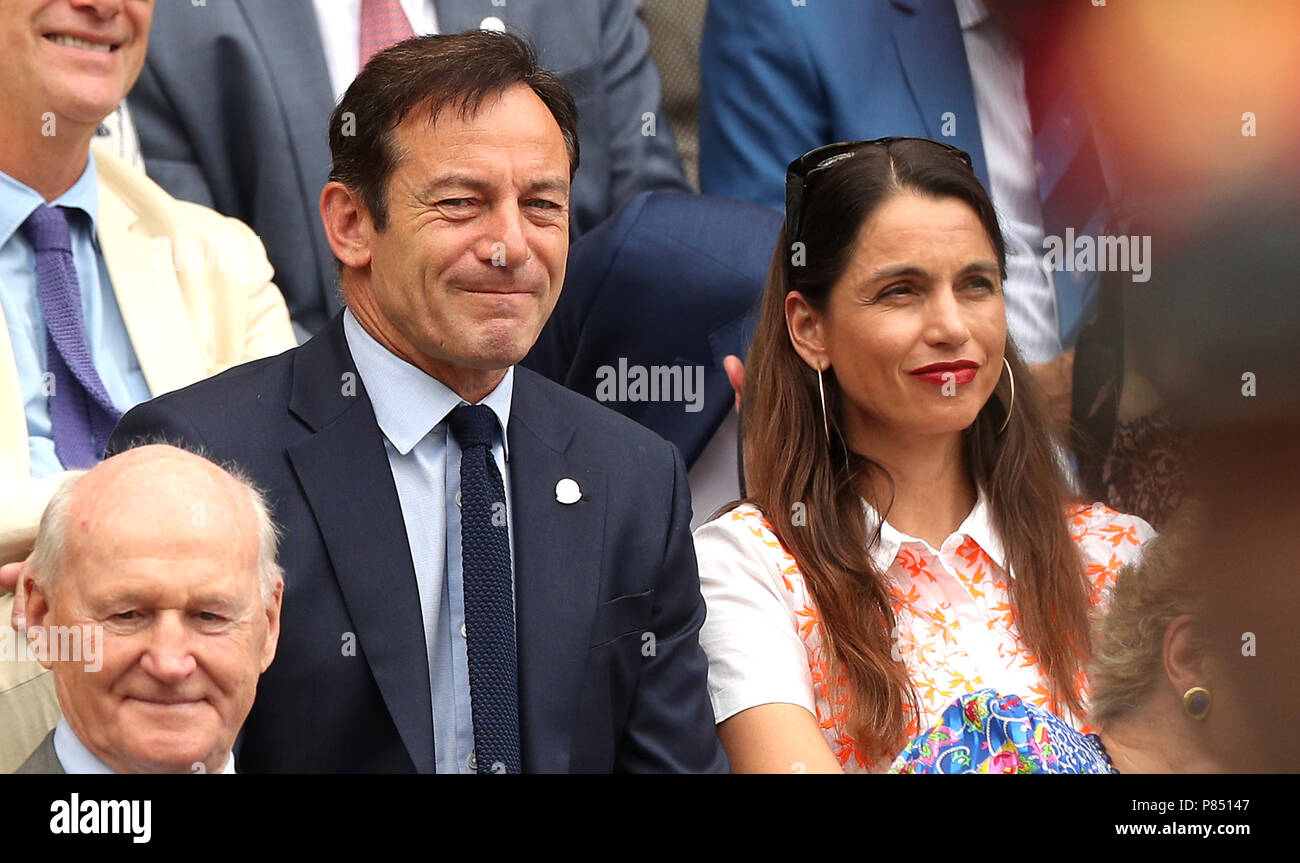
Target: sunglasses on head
(802, 169)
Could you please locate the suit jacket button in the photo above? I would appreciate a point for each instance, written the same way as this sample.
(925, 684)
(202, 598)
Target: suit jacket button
(492, 22)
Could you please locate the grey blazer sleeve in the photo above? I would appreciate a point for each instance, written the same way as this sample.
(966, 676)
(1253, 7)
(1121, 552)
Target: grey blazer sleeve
(643, 153)
(601, 50)
(43, 760)
(172, 162)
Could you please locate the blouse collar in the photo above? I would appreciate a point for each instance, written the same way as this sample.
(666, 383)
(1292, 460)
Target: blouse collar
(977, 526)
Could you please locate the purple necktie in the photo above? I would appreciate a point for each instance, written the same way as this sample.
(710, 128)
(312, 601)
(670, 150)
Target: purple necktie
(81, 413)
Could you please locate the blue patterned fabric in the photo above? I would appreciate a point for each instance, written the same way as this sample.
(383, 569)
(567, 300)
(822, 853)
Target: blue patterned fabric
(984, 732)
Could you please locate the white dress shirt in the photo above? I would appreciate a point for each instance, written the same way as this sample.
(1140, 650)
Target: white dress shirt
(339, 22)
(997, 73)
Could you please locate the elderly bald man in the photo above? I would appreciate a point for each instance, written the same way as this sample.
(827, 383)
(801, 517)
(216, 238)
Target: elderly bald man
(154, 595)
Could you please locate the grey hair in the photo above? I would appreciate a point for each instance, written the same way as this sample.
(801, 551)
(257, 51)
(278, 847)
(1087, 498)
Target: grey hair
(1128, 643)
(270, 573)
(50, 553)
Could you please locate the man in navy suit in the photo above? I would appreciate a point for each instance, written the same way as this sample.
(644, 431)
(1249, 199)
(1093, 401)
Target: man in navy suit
(484, 572)
(235, 94)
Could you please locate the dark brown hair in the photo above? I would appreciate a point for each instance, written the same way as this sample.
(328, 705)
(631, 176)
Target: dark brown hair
(432, 73)
(788, 461)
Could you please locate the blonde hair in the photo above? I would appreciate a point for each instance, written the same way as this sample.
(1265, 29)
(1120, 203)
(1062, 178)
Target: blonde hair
(1128, 643)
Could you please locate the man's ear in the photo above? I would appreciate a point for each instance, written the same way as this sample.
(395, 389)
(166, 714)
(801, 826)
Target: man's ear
(272, 626)
(38, 612)
(805, 325)
(348, 225)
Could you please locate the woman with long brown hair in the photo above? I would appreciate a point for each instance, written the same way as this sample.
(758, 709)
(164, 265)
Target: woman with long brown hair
(909, 534)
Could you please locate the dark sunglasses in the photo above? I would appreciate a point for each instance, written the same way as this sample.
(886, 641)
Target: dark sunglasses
(802, 169)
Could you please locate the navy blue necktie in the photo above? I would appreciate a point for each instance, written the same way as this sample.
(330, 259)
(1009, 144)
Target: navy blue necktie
(82, 415)
(489, 593)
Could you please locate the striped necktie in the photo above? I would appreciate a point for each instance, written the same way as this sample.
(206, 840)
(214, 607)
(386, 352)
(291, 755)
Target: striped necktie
(383, 23)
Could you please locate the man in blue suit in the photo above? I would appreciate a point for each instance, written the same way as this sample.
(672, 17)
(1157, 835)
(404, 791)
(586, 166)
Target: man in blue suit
(233, 102)
(485, 572)
(671, 281)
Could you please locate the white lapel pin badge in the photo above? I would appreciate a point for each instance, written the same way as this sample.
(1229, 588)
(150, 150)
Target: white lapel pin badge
(567, 491)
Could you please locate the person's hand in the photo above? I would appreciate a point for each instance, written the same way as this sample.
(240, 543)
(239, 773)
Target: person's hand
(11, 579)
(735, 374)
(1056, 381)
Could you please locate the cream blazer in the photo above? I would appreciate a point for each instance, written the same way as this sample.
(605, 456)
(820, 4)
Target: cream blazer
(196, 294)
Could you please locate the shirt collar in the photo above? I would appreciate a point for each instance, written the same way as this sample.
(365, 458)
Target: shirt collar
(408, 402)
(75, 757)
(971, 13)
(977, 526)
(18, 200)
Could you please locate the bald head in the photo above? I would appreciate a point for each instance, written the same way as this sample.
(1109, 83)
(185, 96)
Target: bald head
(163, 565)
(174, 500)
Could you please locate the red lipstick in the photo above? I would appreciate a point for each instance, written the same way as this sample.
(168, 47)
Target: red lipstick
(958, 372)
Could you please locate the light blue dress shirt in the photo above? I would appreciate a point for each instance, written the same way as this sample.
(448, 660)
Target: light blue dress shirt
(74, 757)
(106, 335)
(411, 408)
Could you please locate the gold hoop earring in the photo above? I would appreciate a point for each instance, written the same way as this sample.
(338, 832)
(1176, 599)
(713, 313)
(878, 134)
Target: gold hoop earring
(1196, 702)
(821, 392)
(1012, 403)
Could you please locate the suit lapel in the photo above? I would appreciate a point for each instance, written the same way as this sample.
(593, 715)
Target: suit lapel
(558, 551)
(300, 76)
(927, 36)
(142, 268)
(301, 79)
(348, 484)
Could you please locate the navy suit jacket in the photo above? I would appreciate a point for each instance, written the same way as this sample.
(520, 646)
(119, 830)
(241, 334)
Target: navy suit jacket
(611, 674)
(233, 106)
(844, 71)
(671, 279)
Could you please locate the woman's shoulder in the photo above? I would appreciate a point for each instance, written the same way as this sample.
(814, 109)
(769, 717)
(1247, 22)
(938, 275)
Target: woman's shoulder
(1103, 533)
(1098, 520)
(743, 537)
(744, 522)
(1108, 540)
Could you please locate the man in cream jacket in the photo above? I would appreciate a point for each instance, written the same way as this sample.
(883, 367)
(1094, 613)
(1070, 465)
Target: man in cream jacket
(170, 292)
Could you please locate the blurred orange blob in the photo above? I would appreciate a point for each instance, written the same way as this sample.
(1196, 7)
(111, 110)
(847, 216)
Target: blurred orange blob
(1194, 93)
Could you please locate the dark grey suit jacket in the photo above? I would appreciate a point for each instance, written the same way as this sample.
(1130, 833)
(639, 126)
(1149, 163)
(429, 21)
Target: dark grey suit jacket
(43, 759)
(234, 101)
